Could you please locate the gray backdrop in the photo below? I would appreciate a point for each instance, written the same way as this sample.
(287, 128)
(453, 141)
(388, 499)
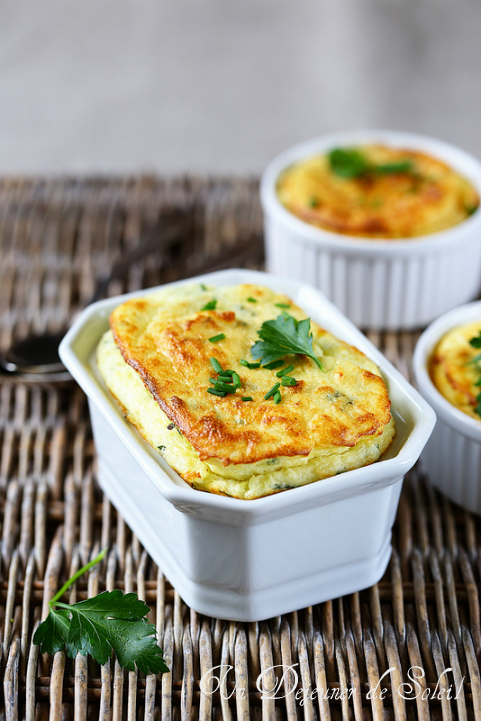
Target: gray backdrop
(219, 85)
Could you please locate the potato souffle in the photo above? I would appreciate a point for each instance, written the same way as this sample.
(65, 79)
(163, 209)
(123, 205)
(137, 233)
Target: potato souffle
(376, 191)
(241, 393)
(455, 368)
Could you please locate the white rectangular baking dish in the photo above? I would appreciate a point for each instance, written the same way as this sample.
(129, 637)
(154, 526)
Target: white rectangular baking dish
(250, 560)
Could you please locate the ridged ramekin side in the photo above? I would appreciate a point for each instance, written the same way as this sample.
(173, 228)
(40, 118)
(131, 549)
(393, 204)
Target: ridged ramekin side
(450, 455)
(390, 291)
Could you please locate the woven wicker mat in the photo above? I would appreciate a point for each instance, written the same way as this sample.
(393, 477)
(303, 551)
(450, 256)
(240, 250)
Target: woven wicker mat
(353, 654)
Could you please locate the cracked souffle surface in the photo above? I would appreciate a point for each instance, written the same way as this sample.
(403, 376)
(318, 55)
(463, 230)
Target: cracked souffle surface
(160, 359)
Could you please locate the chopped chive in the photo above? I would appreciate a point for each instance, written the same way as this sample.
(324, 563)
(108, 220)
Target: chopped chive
(216, 338)
(271, 392)
(236, 380)
(215, 365)
(215, 392)
(285, 371)
(252, 300)
(219, 386)
(247, 398)
(161, 448)
(228, 372)
(288, 381)
(277, 397)
(313, 202)
(210, 305)
(204, 287)
(282, 305)
(274, 364)
(246, 364)
(220, 379)
(224, 376)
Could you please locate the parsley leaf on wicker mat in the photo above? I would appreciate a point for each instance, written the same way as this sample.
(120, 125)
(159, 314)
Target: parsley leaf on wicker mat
(110, 621)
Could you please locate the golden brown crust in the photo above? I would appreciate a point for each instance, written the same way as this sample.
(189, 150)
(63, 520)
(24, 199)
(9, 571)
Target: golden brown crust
(452, 368)
(169, 347)
(392, 205)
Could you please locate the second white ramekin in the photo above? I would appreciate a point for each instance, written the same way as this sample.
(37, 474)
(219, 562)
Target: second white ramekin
(452, 457)
(378, 284)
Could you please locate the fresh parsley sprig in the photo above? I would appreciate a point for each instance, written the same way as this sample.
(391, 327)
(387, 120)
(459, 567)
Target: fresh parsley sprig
(112, 621)
(284, 335)
(351, 163)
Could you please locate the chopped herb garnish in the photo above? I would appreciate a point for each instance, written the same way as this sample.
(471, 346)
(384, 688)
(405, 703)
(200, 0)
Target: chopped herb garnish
(285, 371)
(274, 364)
(401, 166)
(217, 338)
(215, 365)
(288, 381)
(347, 162)
(476, 341)
(203, 286)
(210, 305)
(282, 305)
(236, 380)
(252, 300)
(313, 202)
(224, 377)
(246, 364)
(226, 387)
(284, 335)
(161, 448)
(277, 397)
(111, 621)
(351, 163)
(228, 372)
(475, 360)
(470, 209)
(216, 392)
(247, 398)
(272, 391)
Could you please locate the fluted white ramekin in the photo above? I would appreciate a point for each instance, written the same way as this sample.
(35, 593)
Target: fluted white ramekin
(452, 457)
(249, 560)
(378, 284)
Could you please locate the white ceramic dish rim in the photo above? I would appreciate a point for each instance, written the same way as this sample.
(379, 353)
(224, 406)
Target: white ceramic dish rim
(461, 161)
(424, 349)
(172, 486)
